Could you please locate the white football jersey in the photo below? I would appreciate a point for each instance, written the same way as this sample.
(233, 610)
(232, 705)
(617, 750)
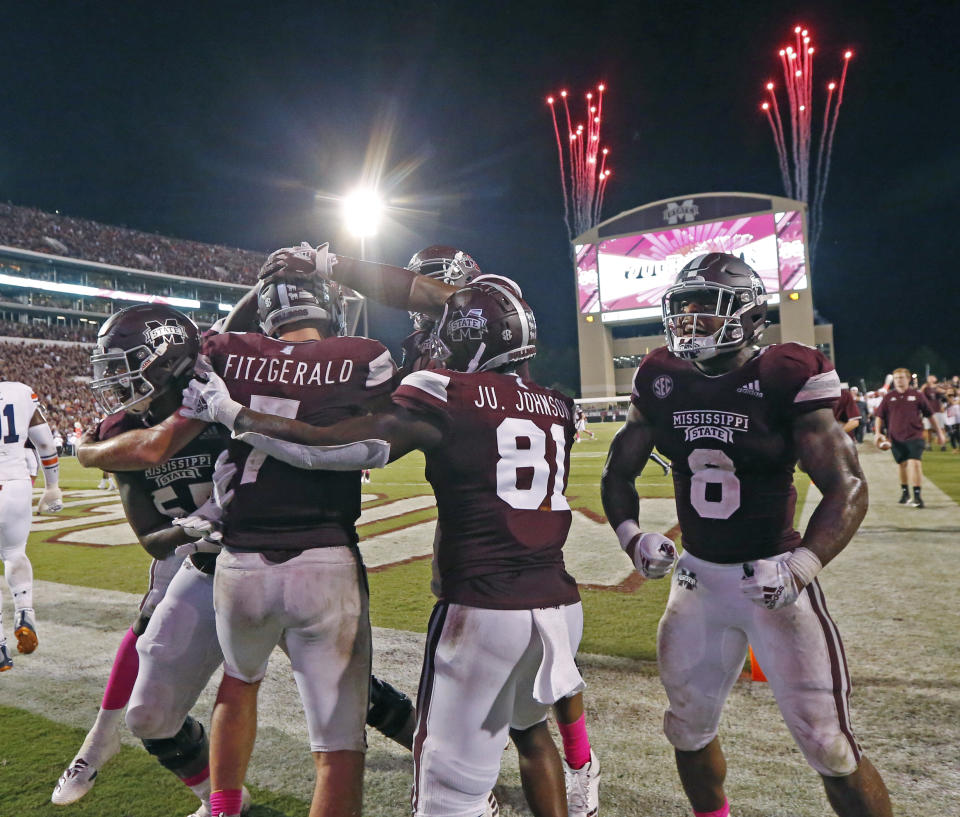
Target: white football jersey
(17, 406)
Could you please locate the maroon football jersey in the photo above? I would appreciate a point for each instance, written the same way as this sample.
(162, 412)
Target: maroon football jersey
(846, 409)
(499, 477)
(903, 413)
(181, 484)
(277, 506)
(730, 439)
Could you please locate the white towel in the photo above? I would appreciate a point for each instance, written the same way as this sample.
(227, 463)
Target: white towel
(558, 676)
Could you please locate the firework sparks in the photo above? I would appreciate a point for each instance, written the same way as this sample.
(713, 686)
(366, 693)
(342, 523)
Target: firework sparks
(582, 160)
(796, 62)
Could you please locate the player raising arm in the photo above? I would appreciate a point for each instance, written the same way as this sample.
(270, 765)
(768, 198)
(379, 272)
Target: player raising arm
(497, 448)
(735, 419)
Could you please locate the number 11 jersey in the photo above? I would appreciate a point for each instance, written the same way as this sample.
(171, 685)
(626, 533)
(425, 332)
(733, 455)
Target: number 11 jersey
(730, 437)
(499, 476)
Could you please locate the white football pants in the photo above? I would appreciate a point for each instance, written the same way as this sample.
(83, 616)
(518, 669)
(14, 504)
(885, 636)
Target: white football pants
(16, 510)
(702, 644)
(316, 607)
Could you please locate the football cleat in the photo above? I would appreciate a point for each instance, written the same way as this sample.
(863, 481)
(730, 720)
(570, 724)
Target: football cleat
(78, 778)
(583, 788)
(204, 810)
(25, 630)
(493, 807)
(904, 498)
(6, 662)
(916, 503)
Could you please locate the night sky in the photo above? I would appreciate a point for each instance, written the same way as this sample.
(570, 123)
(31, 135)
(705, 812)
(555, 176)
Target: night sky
(209, 122)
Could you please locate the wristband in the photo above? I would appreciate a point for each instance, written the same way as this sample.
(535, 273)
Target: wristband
(626, 531)
(804, 564)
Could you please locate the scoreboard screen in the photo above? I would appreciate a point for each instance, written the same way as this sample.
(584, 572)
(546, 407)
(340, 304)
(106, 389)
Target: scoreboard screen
(632, 272)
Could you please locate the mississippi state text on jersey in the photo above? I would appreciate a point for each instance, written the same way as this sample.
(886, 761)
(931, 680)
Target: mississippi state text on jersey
(17, 406)
(277, 506)
(499, 477)
(730, 439)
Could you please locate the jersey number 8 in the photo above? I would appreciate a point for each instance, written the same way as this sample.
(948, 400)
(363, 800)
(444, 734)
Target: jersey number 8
(714, 487)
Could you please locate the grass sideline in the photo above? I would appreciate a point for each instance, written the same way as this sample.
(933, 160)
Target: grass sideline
(616, 623)
(35, 748)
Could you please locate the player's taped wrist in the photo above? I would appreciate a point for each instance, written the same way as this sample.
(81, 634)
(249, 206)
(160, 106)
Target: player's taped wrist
(805, 565)
(626, 531)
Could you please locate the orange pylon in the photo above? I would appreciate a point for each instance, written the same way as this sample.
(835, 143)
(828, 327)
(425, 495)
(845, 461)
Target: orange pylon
(756, 674)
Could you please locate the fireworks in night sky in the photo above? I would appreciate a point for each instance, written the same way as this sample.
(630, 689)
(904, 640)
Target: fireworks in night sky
(797, 64)
(583, 161)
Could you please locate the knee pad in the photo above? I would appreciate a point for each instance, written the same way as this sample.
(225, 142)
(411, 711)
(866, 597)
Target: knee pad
(830, 753)
(685, 736)
(389, 708)
(186, 754)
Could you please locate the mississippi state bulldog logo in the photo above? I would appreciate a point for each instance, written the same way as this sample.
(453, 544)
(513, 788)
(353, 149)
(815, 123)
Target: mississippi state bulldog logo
(686, 579)
(469, 325)
(170, 331)
(662, 386)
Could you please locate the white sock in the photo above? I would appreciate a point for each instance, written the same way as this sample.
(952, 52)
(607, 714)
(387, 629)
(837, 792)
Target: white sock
(102, 737)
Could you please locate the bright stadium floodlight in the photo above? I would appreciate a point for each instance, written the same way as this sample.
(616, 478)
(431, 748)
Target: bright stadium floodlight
(362, 210)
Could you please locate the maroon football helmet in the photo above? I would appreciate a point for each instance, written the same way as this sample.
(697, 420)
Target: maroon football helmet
(484, 326)
(732, 309)
(143, 352)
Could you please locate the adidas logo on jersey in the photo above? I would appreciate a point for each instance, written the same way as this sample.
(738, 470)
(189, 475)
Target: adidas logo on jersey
(752, 388)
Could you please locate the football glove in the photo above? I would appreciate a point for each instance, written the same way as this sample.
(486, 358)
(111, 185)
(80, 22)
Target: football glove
(205, 524)
(769, 583)
(51, 501)
(210, 401)
(299, 262)
(653, 554)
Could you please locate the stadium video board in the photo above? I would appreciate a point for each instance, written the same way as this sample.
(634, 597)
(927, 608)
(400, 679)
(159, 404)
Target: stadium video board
(632, 272)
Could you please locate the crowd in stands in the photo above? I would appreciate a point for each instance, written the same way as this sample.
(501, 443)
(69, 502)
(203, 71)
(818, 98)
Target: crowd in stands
(30, 229)
(43, 331)
(59, 375)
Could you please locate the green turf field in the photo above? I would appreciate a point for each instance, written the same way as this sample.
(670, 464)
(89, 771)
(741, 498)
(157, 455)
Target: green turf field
(617, 623)
(400, 597)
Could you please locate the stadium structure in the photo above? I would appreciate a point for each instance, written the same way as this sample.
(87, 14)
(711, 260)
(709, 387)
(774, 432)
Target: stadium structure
(625, 264)
(62, 277)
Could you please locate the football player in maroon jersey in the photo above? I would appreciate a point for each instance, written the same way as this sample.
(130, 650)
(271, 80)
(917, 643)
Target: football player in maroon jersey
(430, 277)
(143, 355)
(735, 420)
(278, 536)
(502, 637)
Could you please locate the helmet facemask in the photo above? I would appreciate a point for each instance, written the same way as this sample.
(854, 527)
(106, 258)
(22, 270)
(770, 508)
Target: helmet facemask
(732, 317)
(130, 380)
(454, 267)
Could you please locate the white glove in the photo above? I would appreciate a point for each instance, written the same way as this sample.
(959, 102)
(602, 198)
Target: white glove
(51, 501)
(210, 401)
(205, 524)
(769, 583)
(653, 554)
(206, 545)
(299, 262)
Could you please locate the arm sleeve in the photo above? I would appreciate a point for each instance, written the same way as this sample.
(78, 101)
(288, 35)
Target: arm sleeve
(348, 457)
(42, 439)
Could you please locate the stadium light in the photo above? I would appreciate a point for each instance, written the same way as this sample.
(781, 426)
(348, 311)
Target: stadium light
(362, 210)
